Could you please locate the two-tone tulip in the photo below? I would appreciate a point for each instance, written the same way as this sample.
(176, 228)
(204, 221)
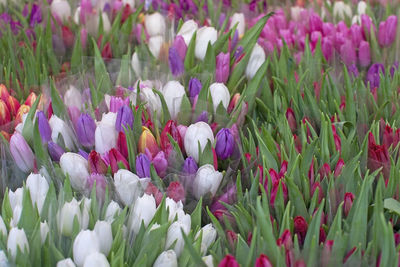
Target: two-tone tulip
(148, 142)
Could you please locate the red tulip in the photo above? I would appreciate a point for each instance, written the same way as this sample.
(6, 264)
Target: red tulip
(300, 228)
(285, 239)
(171, 129)
(228, 261)
(378, 156)
(263, 261)
(67, 36)
(176, 191)
(96, 164)
(232, 238)
(348, 202)
(116, 158)
(122, 145)
(291, 118)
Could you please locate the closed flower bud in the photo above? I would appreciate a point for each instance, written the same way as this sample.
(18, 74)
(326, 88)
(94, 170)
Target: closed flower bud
(17, 240)
(155, 24)
(176, 191)
(204, 36)
(143, 212)
(128, 186)
(208, 260)
(60, 9)
(187, 30)
(77, 169)
(341, 10)
(222, 67)
(175, 62)
(263, 261)
(194, 88)
(209, 234)
(60, 129)
(300, 228)
(116, 158)
(387, 31)
(66, 216)
(170, 129)
(66, 263)
(147, 142)
(122, 144)
(238, 18)
(207, 181)
(174, 234)
(160, 163)
(173, 93)
(135, 63)
(86, 242)
(348, 53)
(228, 261)
(373, 75)
(190, 166)
(348, 202)
(361, 7)
(225, 144)
(142, 166)
(364, 54)
(96, 259)
(13, 105)
(55, 151)
(38, 187)
(173, 208)
(44, 231)
(166, 259)
(104, 233)
(85, 129)
(4, 94)
(73, 98)
(257, 58)
(112, 211)
(105, 134)
(44, 127)
(200, 132)
(124, 118)
(155, 44)
(96, 164)
(21, 152)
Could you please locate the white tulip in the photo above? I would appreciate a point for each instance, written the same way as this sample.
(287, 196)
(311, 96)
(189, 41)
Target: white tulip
(187, 30)
(129, 186)
(85, 212)
(73, 98)
(76, 15)
(135, 62)
(219, 94)
(155, 43)
(66, 216)
(152, 100)
(86, 242)
(66, 263)
(113, 210)
(155, 24)
(104, 233)
(361, 8)
(92, 23)
(20, 127)
(238, 18)
(17, 239)
(341, 10)
(76, 167)
(208, 260)
(143, 210)
(173, 92)
(38, 187)
(174, 233)
(166, 259)
(106, 135)
(44, 231)
(173, 207)
(16, 216)
(208, 237)
(60, 128)
(3, 259)
(61, 9)
(356, 20)
(200, 132)
(3, 228)
(257, 58)
(96, 259)
(204, 36)
(207, 181)
(15, 197)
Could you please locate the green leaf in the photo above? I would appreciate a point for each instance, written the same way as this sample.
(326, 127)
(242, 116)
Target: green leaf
(196, 214)
(189, 59)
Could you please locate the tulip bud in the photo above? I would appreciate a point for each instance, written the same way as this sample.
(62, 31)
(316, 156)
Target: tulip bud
(155, 44)
(60, 129)
(3, 229)
(17, 239)
(96, 259)
(143, 212)
(200, 132)
(204, 36)
(30, 99)
(225, 144)
(73, 98)
(174, 235)
(166, 259)
(387, 31)
(160, 163)
(77, 169)
(171, 129)
(219, 94)
(300, 228)
(44, 231)
(194, 88)
(176, 191)
(66, 263)
(66, 216)
(257, 58)
(348, 202)
(378, 156)
(361, 7)
(190, 166)
(180, 47)
(147, 142)
(96, 164)
(16, 197)
(155, 24)
(222, 67)
(44, 127)
(104, 233)
(128, 186)
(339, 167)
(285, 240)
(173, 93)
(238, 18)
(291, 118)
(112, 211)
(124, 118)
(341, 10)
(348, 53)
(228, 261)
(21, 152)
(105, 134)
(60, 9)
(5, 116)
(122, 144)
(373, 75)
(142, 166)
(4, 94)
(263, 261)
(209, 234)
(207, 181)
(86, 242)
(38, 188)
(85, 129)
(13, 105)
(101, 184)
(187, 30)
(153, 190)
(55, 151)
(115, 158)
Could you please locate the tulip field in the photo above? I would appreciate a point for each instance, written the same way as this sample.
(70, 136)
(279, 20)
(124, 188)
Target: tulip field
(207, 133)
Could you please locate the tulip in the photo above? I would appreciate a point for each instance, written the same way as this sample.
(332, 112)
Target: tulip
(364, 54)
(86, 242)
(15, 197)
(66, 263)
(204, 36)
(228, 197)
(147, 142)
(60, 9)
(173, 208)
(361, 7)
(348, 53)
(5, 116)
(187, 30)
(116, 158)
(373, 75)
(378, 156)
(300, 228)
(263, 261)
(77, 169)
(174, 235)
(128, 186)
(173, 93)
(170, 129)
(153, 102)
(209, 234)
(238, 18)
(122, 145)
(44, 127)
(225, 144)
(66, 216)
(166, 259)
(17, 239)
(112, 211)
(341, 10)
(13, 105)
(208, 260)
(387, 31)
(142, 166)
(96, 164)
(104, 234)
(114, 103)
(176, 191)
(73, 98)
(3, 229)
(44, 231)
(60, 129)
(105, 134)
(55, 151)
(194, 88)
(200, 132)
(285, 240)
(153, 190)
(135, 62)
(207, 181)
(155, 43)
(4, 94)
(228, 261)
(257, 58)
(124, 118)
(348, 202)
(175, 62)
(96, 259)
(38, 188)
(85, 129)
(21, 152)
(155, 24)
(143, 212)
(101, 184)
(222, 67)
(189, 166)
(180, 47)
(160, 163)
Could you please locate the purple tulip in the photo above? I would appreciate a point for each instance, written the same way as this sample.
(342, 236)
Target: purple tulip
(356, 34)
(124, 118)
(366, 24)
(55, 151)
(175, 62)
(83, 154)
(117, 102)
(203, 117)
(222, 67)
(353, 70)
(36, 15)
(44, 127)
(315, 22)
(21, 152)
(235, 40)
(194, 88)
(225, 143)
(100, 184)
(160, 163)
(190, 166)
(142, 166)
(328, 29)
(85, 129)
(348, 53)
(327, 48)
(228, 197)
(387, 31)
(373, 75)
(394, 68)
(180, 46)
(364, 54)
(238, 52)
